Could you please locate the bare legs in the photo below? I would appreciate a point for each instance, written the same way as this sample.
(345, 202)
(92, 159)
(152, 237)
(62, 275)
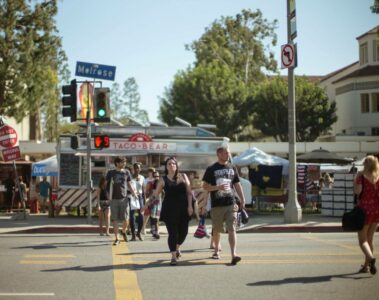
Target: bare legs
(366, 238)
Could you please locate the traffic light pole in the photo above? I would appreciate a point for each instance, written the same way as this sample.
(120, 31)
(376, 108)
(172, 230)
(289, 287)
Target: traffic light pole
(89, 169)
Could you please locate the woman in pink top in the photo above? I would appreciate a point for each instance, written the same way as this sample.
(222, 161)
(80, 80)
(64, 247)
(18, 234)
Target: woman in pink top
(366, 185)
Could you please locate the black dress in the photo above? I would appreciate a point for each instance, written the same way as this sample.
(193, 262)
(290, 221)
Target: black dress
(175, 203)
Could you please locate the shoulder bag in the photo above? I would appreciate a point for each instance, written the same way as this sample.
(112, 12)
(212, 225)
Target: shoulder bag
(354, 220)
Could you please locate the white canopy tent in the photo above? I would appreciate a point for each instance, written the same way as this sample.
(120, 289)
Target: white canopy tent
(254, 157)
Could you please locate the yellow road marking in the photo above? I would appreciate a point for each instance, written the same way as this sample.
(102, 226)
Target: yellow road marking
(328, 242)
(42, 262)
(125, 280)
(49, 256)
(206, 255)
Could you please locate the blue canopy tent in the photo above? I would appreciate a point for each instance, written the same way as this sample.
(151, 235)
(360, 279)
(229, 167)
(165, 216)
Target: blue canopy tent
(46, 167)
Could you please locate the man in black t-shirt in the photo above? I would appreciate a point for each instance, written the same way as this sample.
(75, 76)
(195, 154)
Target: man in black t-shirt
(118, 184)
(219, 179)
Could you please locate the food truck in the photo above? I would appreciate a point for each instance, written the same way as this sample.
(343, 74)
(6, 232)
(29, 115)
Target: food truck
(194, 148)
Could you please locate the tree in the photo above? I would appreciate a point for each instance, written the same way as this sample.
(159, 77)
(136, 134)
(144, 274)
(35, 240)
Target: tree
(32, 60)
(209, 93)
(314, 114)
(125, 104)
(230, 61)
(375, 7)
(239, 43)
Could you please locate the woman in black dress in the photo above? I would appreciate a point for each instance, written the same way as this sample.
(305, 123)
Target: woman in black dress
(176, 207)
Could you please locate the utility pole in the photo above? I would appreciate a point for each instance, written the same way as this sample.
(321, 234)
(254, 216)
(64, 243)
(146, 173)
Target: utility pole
(292, 212)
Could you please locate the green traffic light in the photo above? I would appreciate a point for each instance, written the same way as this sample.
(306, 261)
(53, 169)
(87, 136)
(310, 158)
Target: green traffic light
(101, 112)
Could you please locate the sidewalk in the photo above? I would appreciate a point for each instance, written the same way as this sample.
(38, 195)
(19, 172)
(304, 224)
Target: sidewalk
(258, 223)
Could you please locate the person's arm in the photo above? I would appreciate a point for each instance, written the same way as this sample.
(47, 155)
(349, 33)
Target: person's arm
(358, 183)
(98, 197)
(239, 190)
(158, 189)
(189, 194)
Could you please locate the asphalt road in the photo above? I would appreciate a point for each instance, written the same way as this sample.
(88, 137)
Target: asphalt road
(274, 266)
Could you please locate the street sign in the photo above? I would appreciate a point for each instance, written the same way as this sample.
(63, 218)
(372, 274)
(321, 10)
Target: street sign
(8, 137)
(92, 70)
(11, 153)
(292, 18)
(288, 56)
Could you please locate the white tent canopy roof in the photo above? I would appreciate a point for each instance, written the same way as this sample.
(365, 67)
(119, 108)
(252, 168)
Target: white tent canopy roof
(254, 157)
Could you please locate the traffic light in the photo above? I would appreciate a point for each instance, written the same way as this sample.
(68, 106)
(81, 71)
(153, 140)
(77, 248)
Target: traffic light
(101, 105)
(101, 141)
(69, 100)
(74, 142)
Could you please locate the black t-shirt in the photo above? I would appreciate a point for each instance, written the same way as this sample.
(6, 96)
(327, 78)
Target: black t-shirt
(217, 174)
(120, 179)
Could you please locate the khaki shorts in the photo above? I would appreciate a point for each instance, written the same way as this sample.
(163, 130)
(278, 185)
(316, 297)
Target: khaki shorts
(221, 214)
(120, 209)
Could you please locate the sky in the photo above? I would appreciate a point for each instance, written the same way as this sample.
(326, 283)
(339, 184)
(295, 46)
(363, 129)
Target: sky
(146, 39)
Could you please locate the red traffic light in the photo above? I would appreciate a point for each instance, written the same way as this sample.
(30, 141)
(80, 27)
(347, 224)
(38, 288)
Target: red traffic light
(101, 141)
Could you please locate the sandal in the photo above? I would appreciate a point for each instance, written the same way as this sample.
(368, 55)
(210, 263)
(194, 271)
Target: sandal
(178, 254)
(235, 260)
(216, 256)
(173, 262)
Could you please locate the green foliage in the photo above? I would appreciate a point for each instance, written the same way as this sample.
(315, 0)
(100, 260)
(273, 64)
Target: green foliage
(375, 7)
(240, 43)
(314, 114)
(125, 104)
(209, 93)
(230, 60)
(32, 58)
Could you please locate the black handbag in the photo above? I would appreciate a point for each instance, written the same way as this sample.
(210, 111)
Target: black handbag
(244, 216)
(353, 220)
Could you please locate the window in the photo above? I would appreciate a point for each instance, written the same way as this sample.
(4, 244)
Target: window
(375, 131)
(363, 55)
(375, 50)
(365, 105)
(375, 102)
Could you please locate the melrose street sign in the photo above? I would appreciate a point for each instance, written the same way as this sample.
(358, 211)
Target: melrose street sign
(92, 70)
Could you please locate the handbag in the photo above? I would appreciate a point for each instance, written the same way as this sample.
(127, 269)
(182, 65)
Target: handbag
(134, 203)
(353, 220)
(244, 216)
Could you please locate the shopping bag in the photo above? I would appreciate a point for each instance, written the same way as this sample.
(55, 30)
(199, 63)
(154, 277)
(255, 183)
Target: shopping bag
(134, 203)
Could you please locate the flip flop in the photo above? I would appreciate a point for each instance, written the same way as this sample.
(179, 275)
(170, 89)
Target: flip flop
(215, 256)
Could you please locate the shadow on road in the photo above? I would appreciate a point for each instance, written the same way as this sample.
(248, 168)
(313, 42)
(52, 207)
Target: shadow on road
(63, 245)
(314, 279)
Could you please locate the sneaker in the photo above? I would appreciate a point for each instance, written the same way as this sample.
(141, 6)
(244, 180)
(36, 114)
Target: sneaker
(133, 238)
(124, 236)
(372, 266)
(156, 236)
(116, 242)
(363, 269)
(235, 260)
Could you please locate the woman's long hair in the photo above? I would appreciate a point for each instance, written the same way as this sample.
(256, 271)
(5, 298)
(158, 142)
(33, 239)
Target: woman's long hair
(177, 168)
(101, 182)
(371, 166)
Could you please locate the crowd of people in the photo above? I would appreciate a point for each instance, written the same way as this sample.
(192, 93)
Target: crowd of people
(127, 197)
(16, 194)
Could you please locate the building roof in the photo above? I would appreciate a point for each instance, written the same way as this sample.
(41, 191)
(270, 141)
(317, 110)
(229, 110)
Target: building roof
(327, 76)
(374, 30)
(366, 71)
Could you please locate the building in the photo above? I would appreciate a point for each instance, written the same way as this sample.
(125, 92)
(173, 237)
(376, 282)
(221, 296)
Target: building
(355, 88)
